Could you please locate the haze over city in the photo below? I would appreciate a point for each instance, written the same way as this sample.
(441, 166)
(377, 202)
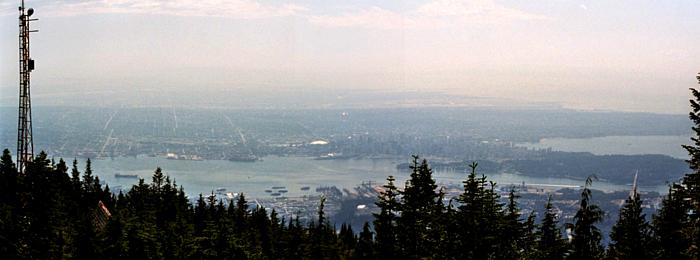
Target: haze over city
(591, 55)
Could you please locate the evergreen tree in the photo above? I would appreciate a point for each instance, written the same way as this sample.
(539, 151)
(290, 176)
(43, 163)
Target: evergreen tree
(88, 179)
(295, 236)
(323, 239)
(420, 204)
(451, 246)
(75, 176)
(511, 230)
(200, 215)
(158, 179)
(114, 245)
(347, 238)
(39, 207)
(241, 214)
(585, 235)
(10, 207)
(669, 224)
(479, 215)
(364, 249)
(630, 236)
(691, 181)
(550, 244)
(528, 247)
(385, 220)
(260, 224)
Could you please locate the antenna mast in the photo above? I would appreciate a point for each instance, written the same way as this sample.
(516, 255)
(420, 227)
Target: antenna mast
(633, 192)
(25, 145)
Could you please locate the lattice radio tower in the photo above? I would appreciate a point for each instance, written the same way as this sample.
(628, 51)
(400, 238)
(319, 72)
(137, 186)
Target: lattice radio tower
(25, 145)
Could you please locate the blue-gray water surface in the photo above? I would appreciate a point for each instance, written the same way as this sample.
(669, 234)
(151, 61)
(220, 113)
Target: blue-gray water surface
(293, 173)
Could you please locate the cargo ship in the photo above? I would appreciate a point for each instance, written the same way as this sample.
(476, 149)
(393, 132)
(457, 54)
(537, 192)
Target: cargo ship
(243, 158)
(130, 176)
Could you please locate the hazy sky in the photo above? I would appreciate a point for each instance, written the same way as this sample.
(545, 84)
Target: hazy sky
(619, 55)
